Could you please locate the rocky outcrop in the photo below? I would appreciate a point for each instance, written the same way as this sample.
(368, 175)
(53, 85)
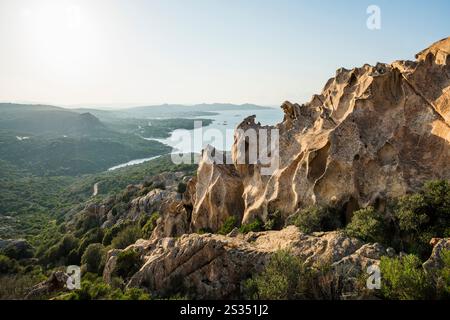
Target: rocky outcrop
(158, 194)
(375, 132)
(56, 282)
(435, 262)
(216, 185)
(213, 266)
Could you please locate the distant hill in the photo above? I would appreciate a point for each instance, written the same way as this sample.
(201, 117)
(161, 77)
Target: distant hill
(43, 119)
(48, 140)
(179, 111)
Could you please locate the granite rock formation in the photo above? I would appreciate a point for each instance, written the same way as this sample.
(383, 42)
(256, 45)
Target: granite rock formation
(375, 132)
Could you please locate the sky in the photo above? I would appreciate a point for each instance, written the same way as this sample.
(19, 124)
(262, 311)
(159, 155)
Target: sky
(118, 53)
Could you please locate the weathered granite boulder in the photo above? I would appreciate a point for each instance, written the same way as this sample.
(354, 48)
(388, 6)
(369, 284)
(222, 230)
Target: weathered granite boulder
(213, 266)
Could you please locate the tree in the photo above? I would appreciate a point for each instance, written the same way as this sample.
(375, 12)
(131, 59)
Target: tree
(315, 219)
(367, 225)
(127, 236)
(128, 263)
(94, 258)
(404, 279)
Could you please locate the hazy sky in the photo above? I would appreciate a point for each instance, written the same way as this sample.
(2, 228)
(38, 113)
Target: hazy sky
(103, 52)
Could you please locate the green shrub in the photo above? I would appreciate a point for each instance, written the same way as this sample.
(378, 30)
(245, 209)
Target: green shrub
(128, 263)
(367, 225)
(150, 225)
(127, 236)
(443, 276)
(274, 221)
(315, 219)
(86, 222)
(181, 187)
(15, 286)
(18, 251)
(412, 213)
(147, 183)
(8, 265)
(111, 233)
(160, 185)
(92, 236)
(229, 224)
(205, 231)
(279, 281)
(404, 279)
(423, 216)
(58, 253)
(254, 226)
(135, 294)
(94, 258)
(93, 288)
(143, 218)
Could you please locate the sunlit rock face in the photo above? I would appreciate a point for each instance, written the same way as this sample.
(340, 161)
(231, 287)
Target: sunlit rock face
(214, 266)
(217, 194)
(373, 133)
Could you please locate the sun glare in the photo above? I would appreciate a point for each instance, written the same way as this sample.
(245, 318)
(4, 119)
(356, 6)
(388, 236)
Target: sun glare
(63, 37)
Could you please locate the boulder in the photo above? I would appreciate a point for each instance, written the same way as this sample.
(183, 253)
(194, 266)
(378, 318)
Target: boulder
(218, 194)
(56, 282)
(214, 266)
(435, 261)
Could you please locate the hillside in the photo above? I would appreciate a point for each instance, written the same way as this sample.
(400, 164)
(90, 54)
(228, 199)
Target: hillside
(47, 140)
(39, 119)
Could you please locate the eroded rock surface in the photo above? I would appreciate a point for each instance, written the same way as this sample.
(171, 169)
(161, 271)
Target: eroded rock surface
(373, 133)
(213, 266)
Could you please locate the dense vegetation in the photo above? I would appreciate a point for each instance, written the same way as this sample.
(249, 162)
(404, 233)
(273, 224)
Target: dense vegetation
(29, 204)
(287, 277)
(86, 245)
(407, 224)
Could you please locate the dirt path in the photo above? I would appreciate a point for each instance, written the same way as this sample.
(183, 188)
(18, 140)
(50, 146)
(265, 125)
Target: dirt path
(95, 190)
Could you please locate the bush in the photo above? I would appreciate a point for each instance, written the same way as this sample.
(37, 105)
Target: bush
(127, 236)
(150, 225)
(367, 225)
(135, 294)
(8, 265)
(128, 263)
(160, 185)
(274, 221)
(279, 281)
(422, 216)
(443, 276)
(315, 219)
(229, 224)
(92, 236)
(181, 187)
(94, 258)
(93, 288)
(286, 277)
(18, 250)
(86, 222)
(111, 233)
(254, 226)
(412, 213)
(404, 279)
(59, 252)
(16, 286)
